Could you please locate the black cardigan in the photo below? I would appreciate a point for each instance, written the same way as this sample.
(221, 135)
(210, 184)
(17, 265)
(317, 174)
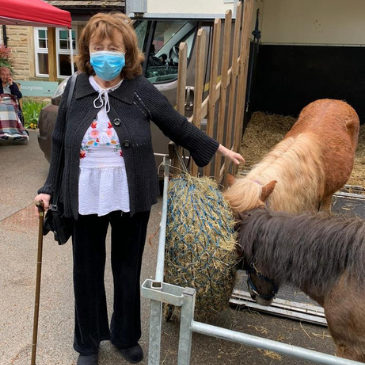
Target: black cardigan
(133, 105)
(14, 90)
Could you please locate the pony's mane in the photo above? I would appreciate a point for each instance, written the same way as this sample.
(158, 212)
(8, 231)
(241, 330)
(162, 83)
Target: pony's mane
(243, 195)
(305, 248)
(295, 163)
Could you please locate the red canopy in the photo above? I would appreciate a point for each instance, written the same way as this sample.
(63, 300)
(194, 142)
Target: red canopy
(33, 13)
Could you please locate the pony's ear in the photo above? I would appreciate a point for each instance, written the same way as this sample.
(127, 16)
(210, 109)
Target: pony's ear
(267, 190)
(230, 180)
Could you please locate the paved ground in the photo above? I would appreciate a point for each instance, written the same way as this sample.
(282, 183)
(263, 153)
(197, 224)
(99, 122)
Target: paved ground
(23, 170)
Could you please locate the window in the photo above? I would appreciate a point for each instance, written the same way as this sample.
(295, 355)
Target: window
(142, 28)
(62, 51)
(163, 59)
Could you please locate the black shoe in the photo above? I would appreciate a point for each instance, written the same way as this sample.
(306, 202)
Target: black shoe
(87, 360)
(132, 354)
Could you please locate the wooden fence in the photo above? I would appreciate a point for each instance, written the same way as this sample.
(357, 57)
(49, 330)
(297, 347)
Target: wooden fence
(223, 108)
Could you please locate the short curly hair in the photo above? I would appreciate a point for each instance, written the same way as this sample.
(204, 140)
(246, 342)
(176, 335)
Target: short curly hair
(103, 26)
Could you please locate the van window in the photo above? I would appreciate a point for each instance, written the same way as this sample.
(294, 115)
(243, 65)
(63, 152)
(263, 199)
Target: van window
(163, 58)
(140, 28)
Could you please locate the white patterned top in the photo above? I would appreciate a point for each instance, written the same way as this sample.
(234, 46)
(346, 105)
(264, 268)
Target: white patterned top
(103, 185)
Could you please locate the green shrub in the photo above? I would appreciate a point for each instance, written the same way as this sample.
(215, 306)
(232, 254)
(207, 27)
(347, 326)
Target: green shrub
(31, 110)
(4, 57)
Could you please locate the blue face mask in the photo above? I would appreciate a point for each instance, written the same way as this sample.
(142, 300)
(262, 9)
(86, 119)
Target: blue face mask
(107, 65)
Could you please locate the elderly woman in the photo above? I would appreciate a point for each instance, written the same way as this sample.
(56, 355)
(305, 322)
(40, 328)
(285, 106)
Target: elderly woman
(110, 177)
(7, 85)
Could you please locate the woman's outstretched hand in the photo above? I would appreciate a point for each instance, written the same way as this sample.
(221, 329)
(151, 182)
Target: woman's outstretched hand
(235, 157)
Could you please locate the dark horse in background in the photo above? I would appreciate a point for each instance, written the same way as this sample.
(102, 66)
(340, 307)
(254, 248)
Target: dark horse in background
(323, 256)
(303, 171)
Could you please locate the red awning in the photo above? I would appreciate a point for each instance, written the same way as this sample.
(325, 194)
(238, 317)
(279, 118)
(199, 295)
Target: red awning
(33, 13)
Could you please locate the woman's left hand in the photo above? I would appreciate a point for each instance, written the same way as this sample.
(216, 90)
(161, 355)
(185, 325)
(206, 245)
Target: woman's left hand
(235, 157)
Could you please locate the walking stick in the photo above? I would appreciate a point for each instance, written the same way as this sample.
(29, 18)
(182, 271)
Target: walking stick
(39, 205)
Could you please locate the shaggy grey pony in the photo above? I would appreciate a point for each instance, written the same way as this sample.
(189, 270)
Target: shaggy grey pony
(303, 250)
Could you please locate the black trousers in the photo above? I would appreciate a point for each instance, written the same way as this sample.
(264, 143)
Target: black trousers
(128, 237)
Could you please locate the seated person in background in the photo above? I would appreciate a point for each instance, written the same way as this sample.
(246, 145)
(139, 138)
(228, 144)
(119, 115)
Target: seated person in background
(8, 86)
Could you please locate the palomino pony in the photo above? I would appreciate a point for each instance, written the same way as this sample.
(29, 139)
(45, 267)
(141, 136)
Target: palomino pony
(323, 256)
(304, 170)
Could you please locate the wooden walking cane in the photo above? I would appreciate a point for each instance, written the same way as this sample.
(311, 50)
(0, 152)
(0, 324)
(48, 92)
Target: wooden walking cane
(40, 206)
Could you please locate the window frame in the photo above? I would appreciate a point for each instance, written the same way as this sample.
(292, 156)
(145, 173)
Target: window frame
(59, 51)
(181, 35)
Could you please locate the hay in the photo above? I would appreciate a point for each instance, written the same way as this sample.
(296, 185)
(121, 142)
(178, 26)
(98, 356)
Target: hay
(264, 131)
(200, 243)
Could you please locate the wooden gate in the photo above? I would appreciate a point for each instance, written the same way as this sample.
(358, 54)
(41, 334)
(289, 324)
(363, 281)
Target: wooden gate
(223, 108)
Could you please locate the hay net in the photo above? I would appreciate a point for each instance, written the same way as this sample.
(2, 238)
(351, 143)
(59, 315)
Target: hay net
(200, 242)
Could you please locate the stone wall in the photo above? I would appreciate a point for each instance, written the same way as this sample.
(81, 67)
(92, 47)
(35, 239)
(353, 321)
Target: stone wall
(21, 42)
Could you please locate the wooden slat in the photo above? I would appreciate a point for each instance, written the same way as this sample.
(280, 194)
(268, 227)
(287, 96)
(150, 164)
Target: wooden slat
(52, 62)
(181, 95)
(290, 312)
(213, 83)
(223, 87)
(242, 79)
(205, 103)
(232, 89)
(204, 108)
(213, 76)
(308, 308)
(235, 53)
(181, 81)
(199, 84)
